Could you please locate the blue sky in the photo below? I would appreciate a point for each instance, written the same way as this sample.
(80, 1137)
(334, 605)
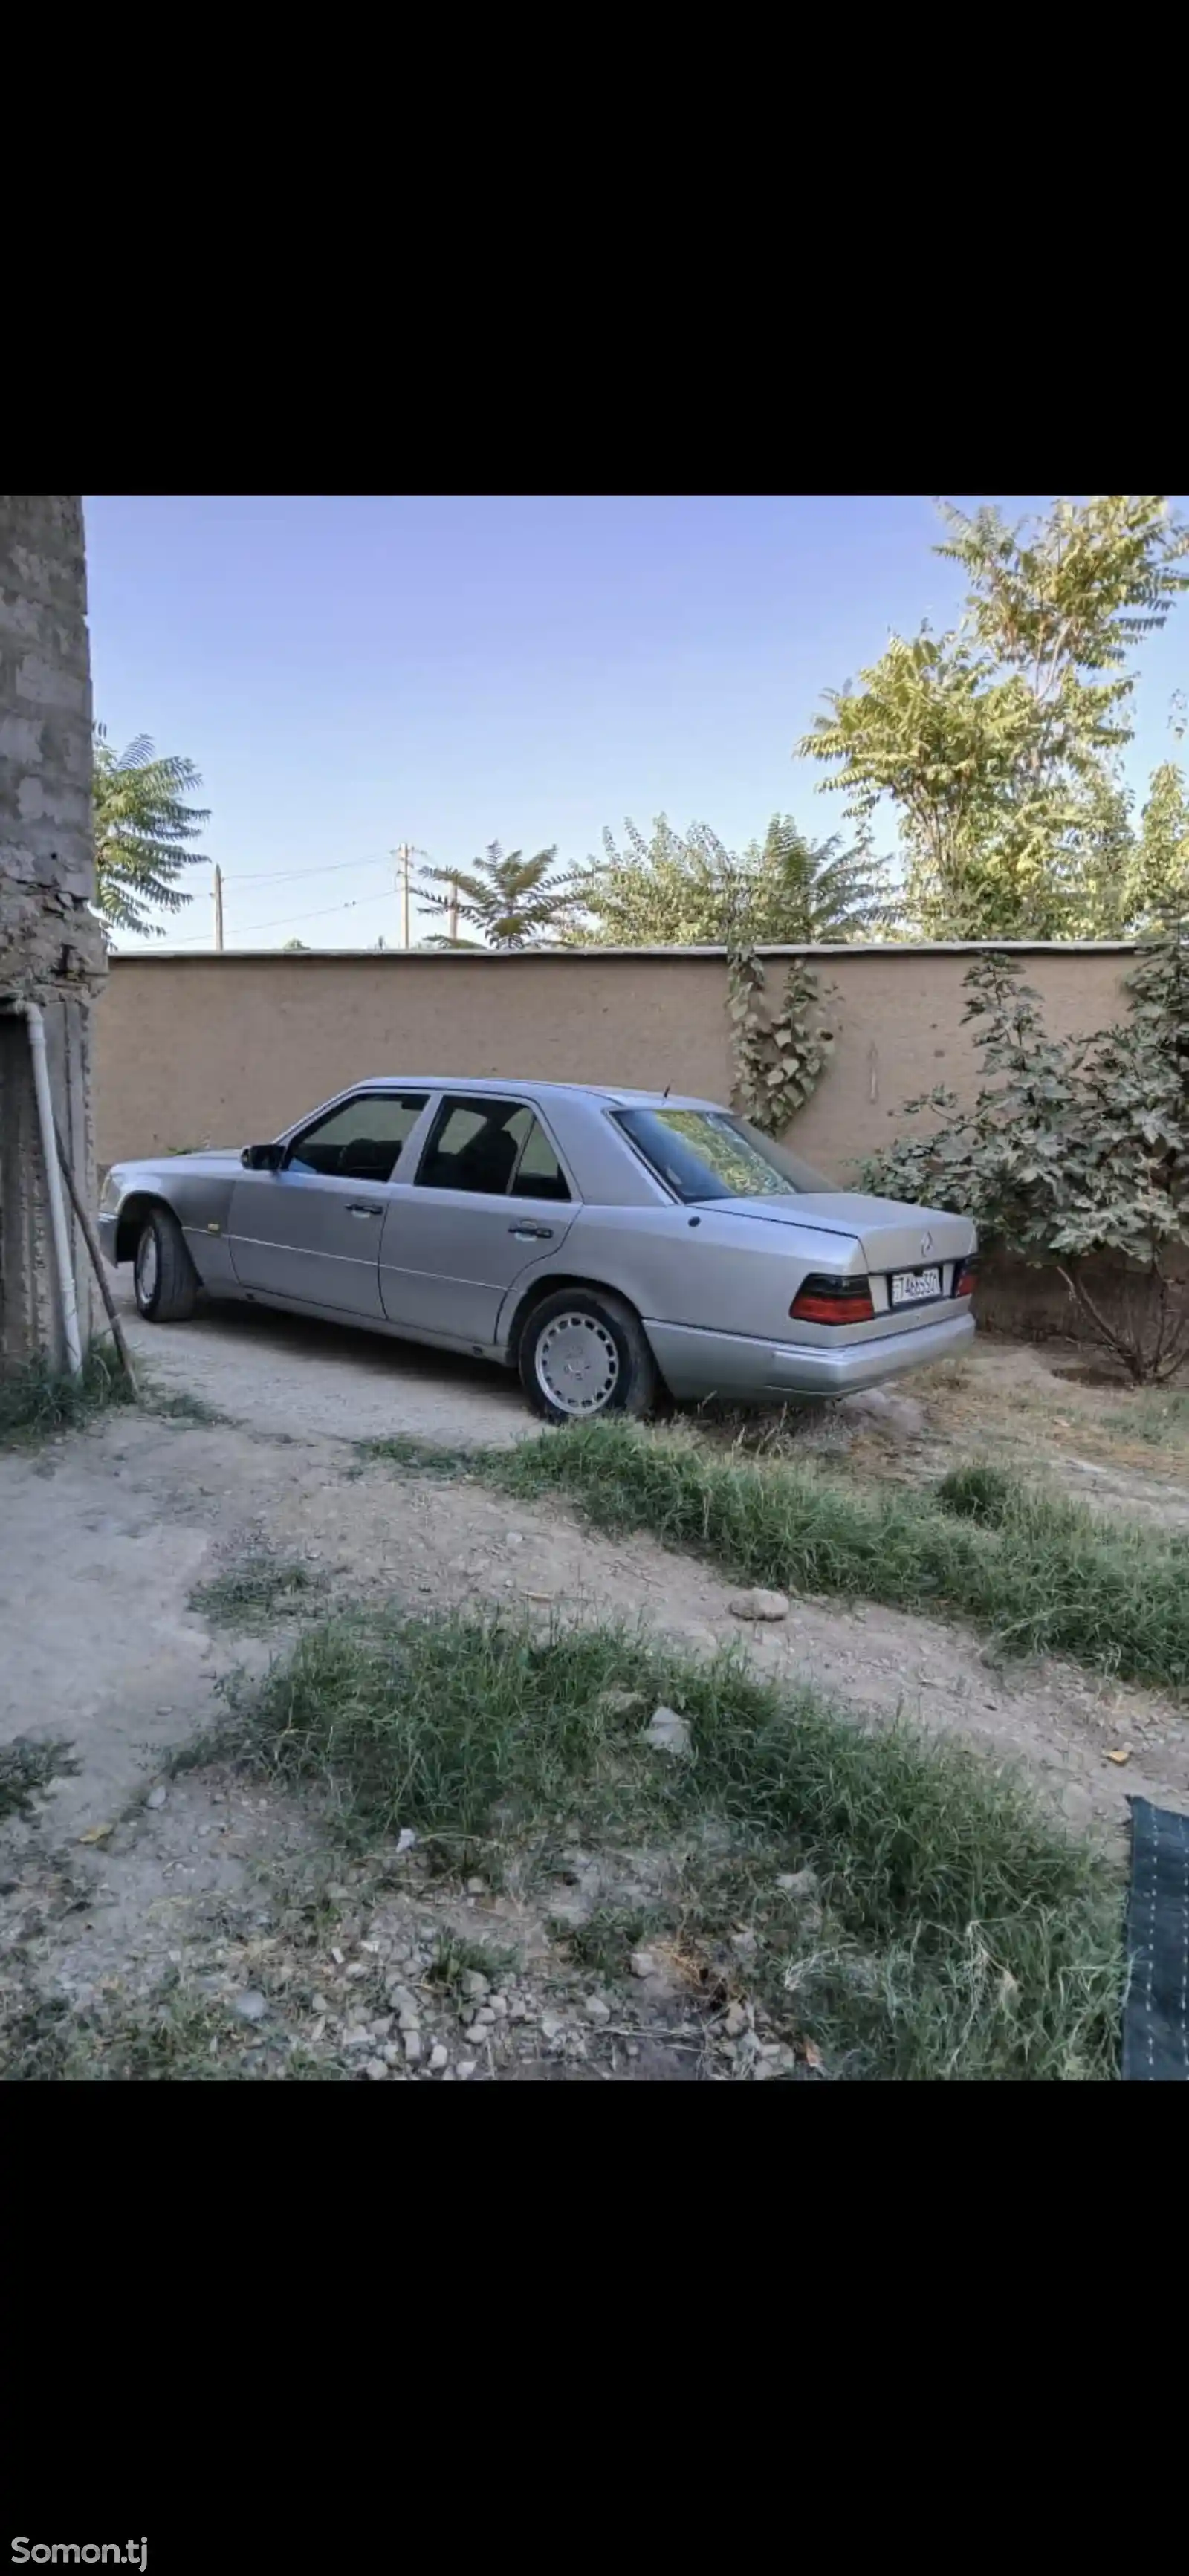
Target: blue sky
(349, 673)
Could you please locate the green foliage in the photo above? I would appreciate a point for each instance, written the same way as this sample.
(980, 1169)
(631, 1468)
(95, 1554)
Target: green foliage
(142, 827)
(688, 890)
(512, 902)
(780, 1053)
(1072, 1147)
(998, 742)
(1158, 878)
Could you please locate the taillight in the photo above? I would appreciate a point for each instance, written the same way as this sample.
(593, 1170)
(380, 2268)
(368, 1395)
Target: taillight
(966, 1277)
(833, 1301)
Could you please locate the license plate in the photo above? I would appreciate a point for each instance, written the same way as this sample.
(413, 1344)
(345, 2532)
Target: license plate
(912, 1287)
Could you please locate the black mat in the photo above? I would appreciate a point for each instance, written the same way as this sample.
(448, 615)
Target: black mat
(1156, 2012)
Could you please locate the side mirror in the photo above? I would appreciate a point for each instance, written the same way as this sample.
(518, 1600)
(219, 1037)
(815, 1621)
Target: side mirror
(262, 1158)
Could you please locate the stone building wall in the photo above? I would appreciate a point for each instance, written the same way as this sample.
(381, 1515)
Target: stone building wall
(51, 946)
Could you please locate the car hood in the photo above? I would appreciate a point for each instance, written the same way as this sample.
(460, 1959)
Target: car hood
(222, 1163)
(893, 1236)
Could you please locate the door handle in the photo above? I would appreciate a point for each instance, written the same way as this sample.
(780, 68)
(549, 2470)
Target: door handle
(532, 1233)
(357, 1208)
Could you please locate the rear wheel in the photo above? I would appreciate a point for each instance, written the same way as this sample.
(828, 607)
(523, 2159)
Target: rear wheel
(583, 1353)
(164, 1278)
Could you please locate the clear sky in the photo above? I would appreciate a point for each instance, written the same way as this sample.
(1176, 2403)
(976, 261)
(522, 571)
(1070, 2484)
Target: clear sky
(349, 673)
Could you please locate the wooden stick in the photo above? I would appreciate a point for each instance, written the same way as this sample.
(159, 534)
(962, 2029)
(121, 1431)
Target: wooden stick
(97, 1264)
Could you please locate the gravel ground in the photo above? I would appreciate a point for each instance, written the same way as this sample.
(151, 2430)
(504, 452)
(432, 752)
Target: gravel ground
(276, 1372)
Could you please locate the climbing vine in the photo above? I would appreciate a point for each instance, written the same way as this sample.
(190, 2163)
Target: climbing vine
(780, 1048)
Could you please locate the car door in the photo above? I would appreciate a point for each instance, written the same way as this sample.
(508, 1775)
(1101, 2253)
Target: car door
(489, 1198)
(311, 1231)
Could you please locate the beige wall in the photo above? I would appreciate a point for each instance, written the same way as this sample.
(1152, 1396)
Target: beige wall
(227, 1050)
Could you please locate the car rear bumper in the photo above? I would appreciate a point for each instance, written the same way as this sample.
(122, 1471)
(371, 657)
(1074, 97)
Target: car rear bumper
(748, 1372)
(106, 1231)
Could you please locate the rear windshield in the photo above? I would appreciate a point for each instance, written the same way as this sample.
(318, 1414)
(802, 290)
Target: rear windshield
(706, 1154)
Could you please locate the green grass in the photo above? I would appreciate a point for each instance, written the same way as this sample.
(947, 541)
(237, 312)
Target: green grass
(960, 1931)
(258, 1587)
(178, 1405)
(455, 1957)
(38, 1402)
(178, 2035)
(27, 1766)
(1157, 1416)
(1039, 1574)
(418, 1457)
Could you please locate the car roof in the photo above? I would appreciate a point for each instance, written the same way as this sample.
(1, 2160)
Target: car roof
(491, 1086)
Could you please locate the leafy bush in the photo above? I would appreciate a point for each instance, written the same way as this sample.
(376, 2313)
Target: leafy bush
(1073, 1147)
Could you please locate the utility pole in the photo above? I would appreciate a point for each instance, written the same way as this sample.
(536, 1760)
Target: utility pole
(218, 908)
(404, 854)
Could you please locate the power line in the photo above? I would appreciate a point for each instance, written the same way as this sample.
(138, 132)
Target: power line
(282, 876)
(285, 922)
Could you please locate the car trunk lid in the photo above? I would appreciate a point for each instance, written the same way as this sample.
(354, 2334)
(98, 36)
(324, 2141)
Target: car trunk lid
(887, 1235)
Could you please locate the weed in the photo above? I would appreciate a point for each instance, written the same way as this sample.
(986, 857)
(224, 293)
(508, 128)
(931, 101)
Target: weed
(178, 1405)
(256, 1588)
(959, 1932)
(1049, 1577)
(979, 1493)
(605, 1942)
(455, 1957)
(27, 1766)
(179, 2034)
(38, 1402)
(417, 1457)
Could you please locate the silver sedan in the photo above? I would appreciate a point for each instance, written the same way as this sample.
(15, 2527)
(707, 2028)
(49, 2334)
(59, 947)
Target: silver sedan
(603, 1242)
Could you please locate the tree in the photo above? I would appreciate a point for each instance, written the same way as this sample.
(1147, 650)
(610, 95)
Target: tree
(1158, 884)
(819, 892)
(999, 742)
(1073, 1148)
(512, 902)
(687, 890)
(142, 826)
(291, 944)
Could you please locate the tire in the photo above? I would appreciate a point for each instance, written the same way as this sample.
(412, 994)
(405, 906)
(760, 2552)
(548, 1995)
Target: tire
(583, 1355)
(164, 1279)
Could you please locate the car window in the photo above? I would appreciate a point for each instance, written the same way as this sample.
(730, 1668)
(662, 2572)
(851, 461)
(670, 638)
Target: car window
(495, 1147)
(538, 1174)
(360, 1140)
(706, 1154)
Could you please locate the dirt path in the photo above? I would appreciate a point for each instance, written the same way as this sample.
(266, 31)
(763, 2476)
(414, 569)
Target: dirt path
(108, 1533)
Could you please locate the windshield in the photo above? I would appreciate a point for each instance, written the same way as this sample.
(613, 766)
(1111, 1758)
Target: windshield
(706, 1154)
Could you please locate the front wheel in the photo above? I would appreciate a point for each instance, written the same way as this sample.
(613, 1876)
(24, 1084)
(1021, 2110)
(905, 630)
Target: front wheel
(164, 1278)
(583, 1353)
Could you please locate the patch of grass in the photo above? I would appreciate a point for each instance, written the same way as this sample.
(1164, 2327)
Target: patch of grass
(961, 1932)
(27, 1766)
(178, 1405)
(979, 1492)
(1050, 1577)
(455, 1957)
(1156, 1417)
(605, 1942)
(417, 1457)
(39, 1402)
(178, 2035)
(775, 1431)
(258, 1587)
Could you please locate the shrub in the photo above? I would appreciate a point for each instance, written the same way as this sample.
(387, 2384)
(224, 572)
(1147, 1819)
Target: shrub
(1073, 1147)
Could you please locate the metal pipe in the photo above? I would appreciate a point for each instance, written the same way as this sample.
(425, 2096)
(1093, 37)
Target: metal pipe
(31, 1013)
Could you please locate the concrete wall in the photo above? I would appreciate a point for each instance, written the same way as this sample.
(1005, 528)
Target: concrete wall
(226, 1050)
(51, 947)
